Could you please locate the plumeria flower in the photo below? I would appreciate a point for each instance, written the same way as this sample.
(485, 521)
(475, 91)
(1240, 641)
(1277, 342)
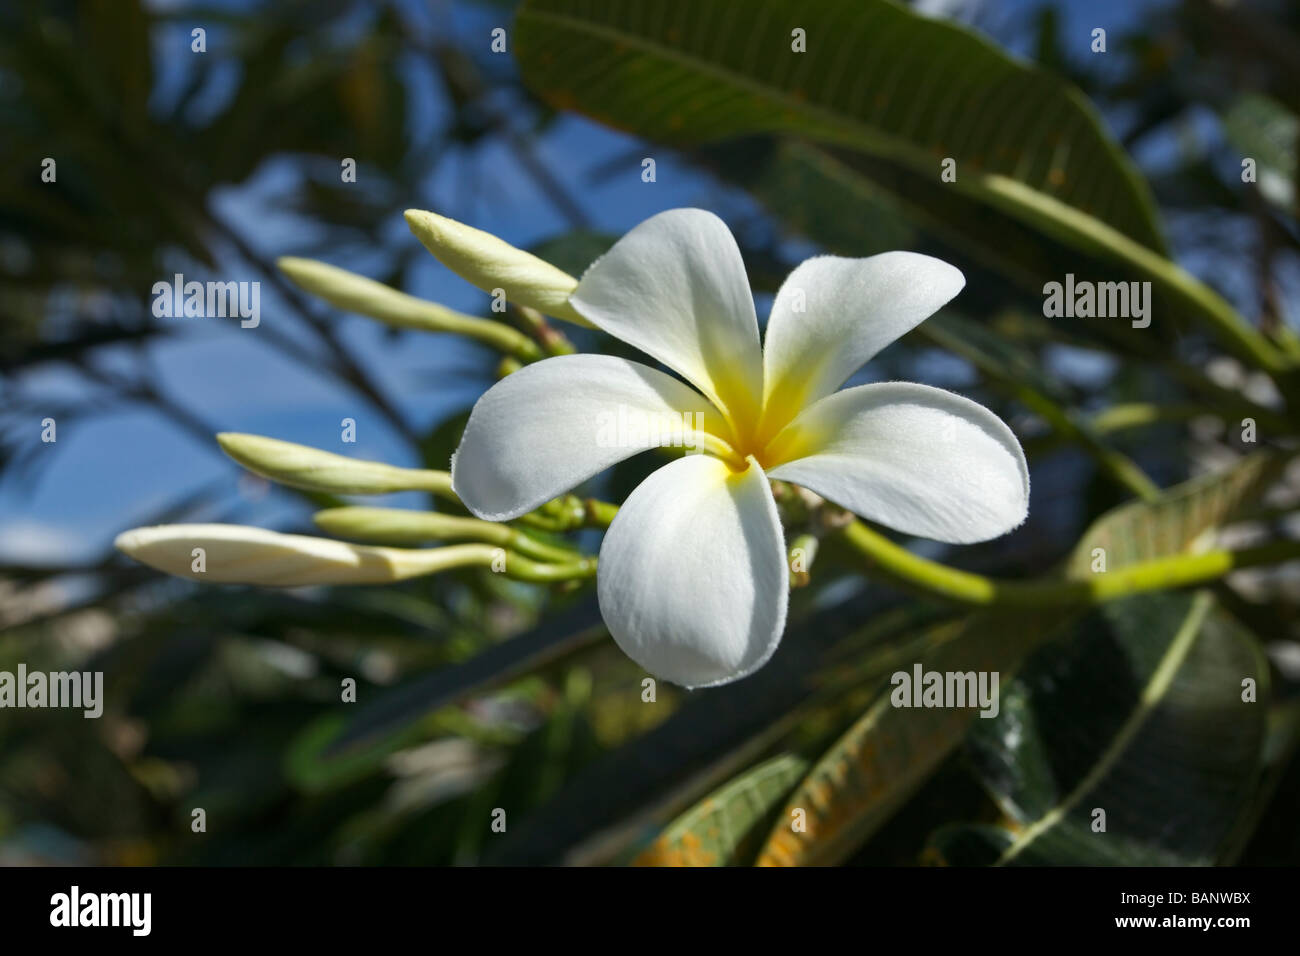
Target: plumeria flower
(692, 577)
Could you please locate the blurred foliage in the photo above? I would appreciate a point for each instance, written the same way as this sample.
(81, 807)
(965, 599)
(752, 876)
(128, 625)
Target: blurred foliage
(476, 694)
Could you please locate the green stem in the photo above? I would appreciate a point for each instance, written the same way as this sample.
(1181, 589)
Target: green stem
(600, 514)
(551, 339)
(525, 569)
(400, 526)
(939, 580)
(569, 513)
(1139, 414)
(1114, 462)
(511, 564)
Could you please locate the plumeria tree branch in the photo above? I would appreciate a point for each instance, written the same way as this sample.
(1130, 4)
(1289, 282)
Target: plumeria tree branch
(938, 580)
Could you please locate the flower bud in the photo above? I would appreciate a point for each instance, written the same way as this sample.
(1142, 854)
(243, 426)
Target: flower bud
(491, 263)
(353, 293)
(234, 554)
(299, 466)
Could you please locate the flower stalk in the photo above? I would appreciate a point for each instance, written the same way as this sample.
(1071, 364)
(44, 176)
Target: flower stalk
(551, 339)
(399, 526)
(570, 513)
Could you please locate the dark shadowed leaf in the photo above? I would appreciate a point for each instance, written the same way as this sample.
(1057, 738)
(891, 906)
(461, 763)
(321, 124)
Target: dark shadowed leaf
(1129, 745)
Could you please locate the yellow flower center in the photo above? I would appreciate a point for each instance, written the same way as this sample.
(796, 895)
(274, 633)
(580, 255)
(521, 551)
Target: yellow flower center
(751, 432)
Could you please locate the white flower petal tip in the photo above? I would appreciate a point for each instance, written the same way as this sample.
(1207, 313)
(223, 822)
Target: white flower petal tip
(832, 315)
(918, 459)
(548, 427)
(235, 554)
(692, 579)
(675, 287)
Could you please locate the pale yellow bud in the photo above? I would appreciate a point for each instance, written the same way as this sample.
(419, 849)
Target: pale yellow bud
(354, 293)
(491, 263)
(234, 554)
(299, 466)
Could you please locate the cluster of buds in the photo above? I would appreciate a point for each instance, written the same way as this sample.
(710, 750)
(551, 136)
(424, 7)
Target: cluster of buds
(385, 544)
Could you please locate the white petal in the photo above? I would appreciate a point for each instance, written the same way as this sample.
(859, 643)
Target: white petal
(692, 576)
(235, 554)
(831, 315)
(675, 287)
(918, 459)
(548, 427)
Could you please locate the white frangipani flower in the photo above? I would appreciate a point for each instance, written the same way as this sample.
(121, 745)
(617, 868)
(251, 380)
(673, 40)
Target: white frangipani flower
(692, 578)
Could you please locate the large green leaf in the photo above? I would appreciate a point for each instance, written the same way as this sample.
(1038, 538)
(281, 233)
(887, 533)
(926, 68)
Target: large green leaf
(1140, 716)
(1143, 531)
(890, 751)
(720, 829)
(876, 77)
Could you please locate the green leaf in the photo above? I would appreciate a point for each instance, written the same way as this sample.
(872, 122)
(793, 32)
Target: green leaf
(1264, 130)
(876, 77)
(890, 751)
(720, 830)
(338, 749)
(1141, 716)
(1143, 531)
